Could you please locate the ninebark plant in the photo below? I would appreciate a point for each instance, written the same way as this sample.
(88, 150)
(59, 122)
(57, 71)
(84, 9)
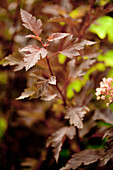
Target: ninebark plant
(44, 82)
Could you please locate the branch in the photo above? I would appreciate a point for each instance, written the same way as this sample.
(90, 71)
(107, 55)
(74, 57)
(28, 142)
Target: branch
(56, 83)
(87, 20)
(54, 54)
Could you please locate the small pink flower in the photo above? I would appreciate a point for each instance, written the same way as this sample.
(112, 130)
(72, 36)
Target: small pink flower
(103, 97)
(105, 91)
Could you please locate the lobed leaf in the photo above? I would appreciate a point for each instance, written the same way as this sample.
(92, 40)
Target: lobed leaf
(57, 36)
(57, 138)
(80, 70)
(38, 90)
(27, 93)
(73, 50)
(83, 43)
(31, 23)
(35, 91)
(109, 146)
(105, 115)
(49, 97)
(85, 157)
(70, 52)
(14, 59)
(32, 55)
(75, 115)
(42, 87)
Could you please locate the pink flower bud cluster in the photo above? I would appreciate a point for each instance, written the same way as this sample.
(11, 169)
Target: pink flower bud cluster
(106, 90)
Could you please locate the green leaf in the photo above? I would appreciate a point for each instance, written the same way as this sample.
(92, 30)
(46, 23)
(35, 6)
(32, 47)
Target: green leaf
(111, 106)
(3, 78)
(107, 58)
(76, 85)
(99, 66)
(73, 13)
(79, 12)
(110, 73)
(61, 58)
(103, 27)
(65, 153)
(3, 126)
(62, 23)
(102, 2)
(101, 124)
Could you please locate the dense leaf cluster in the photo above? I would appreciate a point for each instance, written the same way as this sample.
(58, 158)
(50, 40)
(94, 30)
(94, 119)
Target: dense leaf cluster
(59, 65)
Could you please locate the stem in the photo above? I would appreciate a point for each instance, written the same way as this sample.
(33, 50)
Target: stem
(87, 20)
(56, 83)
(53, 54)
(42, 43)
(66, 82)
(79, 145)
(61, 94)
(49, 66)
(50, 70)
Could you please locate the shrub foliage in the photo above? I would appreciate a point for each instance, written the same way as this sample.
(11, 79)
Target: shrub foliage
(56, 107)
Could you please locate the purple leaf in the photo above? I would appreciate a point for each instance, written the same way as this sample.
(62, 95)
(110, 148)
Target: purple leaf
(73, 50)
(70, 52)
(39, 89)
(105, 115)
(57, 36)
(82, 44)
(56, 139)
(49, 97)
(14, 59)
(27, 93)
(109, 146)
(85, 157)
(32, 55)
(75, 115)
(78, 70)
(31, 23)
